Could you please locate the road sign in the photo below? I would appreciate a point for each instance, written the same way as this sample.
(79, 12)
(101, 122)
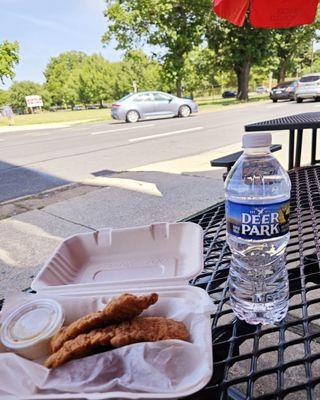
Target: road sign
(34, 101)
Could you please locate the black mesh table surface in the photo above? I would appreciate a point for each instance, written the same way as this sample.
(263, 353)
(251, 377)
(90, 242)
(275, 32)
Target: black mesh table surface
(274, 361)
(293, 123)
(270, 362)
(298, 121)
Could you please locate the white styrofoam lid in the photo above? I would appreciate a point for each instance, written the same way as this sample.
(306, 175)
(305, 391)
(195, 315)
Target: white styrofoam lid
(161, 254)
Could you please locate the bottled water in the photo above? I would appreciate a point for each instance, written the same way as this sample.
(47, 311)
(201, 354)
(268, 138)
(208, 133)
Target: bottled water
(257, 210)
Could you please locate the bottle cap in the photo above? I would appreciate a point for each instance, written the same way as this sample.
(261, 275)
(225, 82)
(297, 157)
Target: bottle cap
(258, 139)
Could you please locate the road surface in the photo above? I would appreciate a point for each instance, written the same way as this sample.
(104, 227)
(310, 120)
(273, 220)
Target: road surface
(34, 161)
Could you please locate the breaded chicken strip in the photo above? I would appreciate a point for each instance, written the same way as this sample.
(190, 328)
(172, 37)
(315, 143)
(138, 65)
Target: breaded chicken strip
(148, 329)
(126, 306)
(81, 346)
(143, 329)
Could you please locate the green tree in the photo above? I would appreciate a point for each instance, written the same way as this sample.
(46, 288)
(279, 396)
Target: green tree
(9, 57)
(143, 70)
(136, 66)
(176, 26)
(315, 67)
(239, 48)
(19, 90)
(4, 97)
(96, 80)
(201, 70)
(293, 47)
(60, 77)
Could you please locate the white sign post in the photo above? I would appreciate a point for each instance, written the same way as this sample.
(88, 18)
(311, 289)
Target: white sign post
(34, 101)
(135, 86)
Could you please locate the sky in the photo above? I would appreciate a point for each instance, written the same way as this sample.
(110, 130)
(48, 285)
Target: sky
(45, 28)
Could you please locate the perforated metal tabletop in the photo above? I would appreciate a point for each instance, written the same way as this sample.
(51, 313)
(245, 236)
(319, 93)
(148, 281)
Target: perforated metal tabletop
(276, 361)
(267, 362)
(299, 123)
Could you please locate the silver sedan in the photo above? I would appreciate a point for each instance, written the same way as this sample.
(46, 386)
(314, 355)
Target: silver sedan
(146, 105)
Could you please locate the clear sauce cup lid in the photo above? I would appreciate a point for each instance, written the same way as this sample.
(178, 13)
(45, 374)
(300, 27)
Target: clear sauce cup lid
(31, 323)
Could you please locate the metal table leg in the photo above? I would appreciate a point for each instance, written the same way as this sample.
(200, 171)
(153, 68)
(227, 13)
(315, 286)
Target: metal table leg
(299, 147)
(314, 146)
(291, 149)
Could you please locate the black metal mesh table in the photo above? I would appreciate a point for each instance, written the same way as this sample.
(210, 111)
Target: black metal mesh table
(276, 361)
(297, 122)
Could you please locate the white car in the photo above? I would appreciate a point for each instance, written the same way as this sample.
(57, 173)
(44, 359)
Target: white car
(308, 87)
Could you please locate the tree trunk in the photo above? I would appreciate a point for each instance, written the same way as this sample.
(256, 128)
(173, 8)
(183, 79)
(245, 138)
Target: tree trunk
(101, 103)
(243, 76)
(282, 71)
(179, 87)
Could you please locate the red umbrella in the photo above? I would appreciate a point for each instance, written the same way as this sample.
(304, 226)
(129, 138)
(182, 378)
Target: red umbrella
(268, 13)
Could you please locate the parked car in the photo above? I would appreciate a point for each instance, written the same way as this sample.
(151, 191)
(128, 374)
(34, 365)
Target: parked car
(308, 87)
(91, 107)
(77, 108)
(283, 91)
(145, 105)
(227, 94)
(262, 89)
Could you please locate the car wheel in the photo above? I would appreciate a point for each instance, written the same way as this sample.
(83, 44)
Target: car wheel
(274, 100)
(299, 100)
(184, 111)
(132, 116)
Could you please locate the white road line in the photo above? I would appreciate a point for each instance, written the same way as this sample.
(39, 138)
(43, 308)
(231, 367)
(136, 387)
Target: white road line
(122, 129)
(138, 139)
(39, 134)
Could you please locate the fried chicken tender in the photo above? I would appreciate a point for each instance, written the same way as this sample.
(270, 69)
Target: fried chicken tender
(81, 346)
(148, 329)
(126, 306)
(142, 329)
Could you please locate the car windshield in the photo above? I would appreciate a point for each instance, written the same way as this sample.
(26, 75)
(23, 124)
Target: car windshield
(310, 78)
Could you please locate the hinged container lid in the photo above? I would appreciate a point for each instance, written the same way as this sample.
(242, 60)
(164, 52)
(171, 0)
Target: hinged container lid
(158, 255)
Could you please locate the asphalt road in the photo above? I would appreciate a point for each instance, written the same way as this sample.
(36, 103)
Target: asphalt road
(33, 161)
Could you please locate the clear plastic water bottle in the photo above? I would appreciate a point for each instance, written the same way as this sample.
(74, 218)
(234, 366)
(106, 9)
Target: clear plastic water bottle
(257, 210)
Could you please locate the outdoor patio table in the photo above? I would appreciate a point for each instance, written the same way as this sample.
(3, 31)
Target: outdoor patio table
(274, 361)
(297, 122)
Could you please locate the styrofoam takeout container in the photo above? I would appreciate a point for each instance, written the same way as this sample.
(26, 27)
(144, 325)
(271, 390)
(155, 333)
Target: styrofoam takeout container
(160, 257)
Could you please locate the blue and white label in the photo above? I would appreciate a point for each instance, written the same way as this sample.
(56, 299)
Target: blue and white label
(258, 221)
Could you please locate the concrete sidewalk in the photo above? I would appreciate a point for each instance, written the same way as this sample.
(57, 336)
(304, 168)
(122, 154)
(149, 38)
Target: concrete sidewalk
(127, 199)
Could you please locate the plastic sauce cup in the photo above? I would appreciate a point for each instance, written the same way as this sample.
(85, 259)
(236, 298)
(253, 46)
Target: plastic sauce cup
(27, 331)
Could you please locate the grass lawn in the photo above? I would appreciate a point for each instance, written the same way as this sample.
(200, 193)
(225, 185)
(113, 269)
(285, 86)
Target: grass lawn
(104, 114)
(60, 116)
